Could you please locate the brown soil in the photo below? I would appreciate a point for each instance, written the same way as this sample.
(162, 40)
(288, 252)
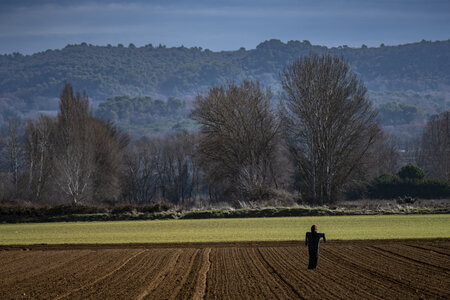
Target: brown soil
(400, 269)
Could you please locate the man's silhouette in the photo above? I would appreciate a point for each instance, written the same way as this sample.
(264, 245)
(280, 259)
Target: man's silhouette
(312, 241)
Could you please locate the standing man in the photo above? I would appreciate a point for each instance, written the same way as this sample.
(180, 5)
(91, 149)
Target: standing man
(312, 241)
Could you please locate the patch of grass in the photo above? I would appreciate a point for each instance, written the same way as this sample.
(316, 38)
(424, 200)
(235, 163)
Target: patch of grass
(216, 230)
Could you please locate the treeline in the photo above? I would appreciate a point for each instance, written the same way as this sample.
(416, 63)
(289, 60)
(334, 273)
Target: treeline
(319, 144)
(31, 82)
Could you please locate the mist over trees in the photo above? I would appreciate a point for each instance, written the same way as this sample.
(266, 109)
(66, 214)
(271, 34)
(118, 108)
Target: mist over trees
(318, 145)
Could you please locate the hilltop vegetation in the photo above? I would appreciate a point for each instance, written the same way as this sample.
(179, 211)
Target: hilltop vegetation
(33, 82)
(136, 86)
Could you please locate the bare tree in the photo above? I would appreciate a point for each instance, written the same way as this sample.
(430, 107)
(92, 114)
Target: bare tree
(162, 168)
(39, 150)
(178, 171)
(329, 123)
(74, 152)
(12, 157)
(140, 174)
(434, 152)
(382, 158)
(239, 138)
(108, 146)
(74, 157)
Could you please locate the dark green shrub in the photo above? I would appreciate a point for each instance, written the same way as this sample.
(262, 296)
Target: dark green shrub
(383, 187)
(208, 214)
(411, 172)
(157, 207)
(69, 210)
(356, 192)
(122, 209)
(433, 188)
(390, 187)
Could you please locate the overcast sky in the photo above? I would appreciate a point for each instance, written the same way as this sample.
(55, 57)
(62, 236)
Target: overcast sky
(30, 26)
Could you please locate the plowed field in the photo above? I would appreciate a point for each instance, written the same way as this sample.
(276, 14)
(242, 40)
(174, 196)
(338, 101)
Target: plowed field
(392, 269)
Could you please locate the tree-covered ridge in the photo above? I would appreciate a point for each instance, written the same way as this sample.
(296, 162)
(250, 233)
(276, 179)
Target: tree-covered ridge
(110, 71)
(105, 71)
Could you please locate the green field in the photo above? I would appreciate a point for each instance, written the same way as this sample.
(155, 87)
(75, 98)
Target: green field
(216, 230)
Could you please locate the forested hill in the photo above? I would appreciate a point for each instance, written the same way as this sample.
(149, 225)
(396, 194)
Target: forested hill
(105, 71)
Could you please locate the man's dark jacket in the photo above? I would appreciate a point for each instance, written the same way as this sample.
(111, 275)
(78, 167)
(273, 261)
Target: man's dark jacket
(312, 241)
